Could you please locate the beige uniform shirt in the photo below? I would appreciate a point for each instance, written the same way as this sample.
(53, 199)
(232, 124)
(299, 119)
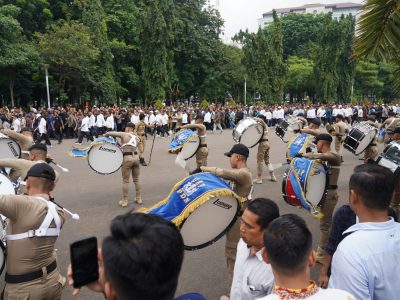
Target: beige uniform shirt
(242, 180)
(334, 161)
(340, 130)
(26, 213)
(265, 127)
(20, 167)
(125, 138)
(201, 131)
(140, 128)
(391, 124)
(314, 132)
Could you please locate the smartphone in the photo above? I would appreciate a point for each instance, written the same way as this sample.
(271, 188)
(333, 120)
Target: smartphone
(84, 262)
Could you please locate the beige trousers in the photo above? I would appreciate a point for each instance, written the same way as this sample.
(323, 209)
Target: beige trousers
(130, 166)
(201, 157)
(327, 209)
(262, 157)
(141, 146)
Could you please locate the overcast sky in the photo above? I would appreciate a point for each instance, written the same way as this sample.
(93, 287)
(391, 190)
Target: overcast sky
(242, 14)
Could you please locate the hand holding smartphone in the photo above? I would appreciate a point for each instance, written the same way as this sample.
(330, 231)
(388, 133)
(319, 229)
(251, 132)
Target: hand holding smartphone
(84, 261)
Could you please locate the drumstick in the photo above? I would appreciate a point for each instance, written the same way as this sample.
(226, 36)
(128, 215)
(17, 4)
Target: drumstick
(74, 216)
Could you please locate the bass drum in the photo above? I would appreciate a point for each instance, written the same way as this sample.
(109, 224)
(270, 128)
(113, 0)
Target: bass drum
(2, 243)
(9, 148)
(190, 147)
(248, 132)
(105, 158)
(359, 138)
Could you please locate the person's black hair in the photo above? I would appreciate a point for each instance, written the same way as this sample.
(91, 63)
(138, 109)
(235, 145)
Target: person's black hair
(141, 117)
(143, 257)
(262, 117)
(199, 117)
(288, 244)
(374, 184)
(266, 211)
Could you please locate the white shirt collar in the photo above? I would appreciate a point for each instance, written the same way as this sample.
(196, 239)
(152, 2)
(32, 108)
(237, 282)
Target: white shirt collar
(370, 226)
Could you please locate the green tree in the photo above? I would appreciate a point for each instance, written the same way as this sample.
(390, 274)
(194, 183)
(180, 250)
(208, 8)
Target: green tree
(300, 78)
(73, 59)
(16, 53)
(367, 82)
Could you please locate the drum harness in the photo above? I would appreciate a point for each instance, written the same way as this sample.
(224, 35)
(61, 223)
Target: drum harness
(202, 145)
(44, 230)
(132, 142)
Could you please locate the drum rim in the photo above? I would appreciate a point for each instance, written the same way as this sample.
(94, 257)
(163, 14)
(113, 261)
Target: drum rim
(19, 148)
(196, 149)
(3, 249)
(220, 235)
(98, 171)
(348, 148)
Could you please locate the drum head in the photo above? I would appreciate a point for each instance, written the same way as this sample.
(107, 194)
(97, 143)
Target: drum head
(6, 186)
(316, 184)
(190, 148)
(209, 222)
(252, 135)
(105, 158)
(9, 148)
(366, 140)
(2, 257)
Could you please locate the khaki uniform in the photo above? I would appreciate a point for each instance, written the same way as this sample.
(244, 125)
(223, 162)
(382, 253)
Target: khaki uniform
(314, 132)
(141, 134)
(390, 123)
(339, 133)
(263, 150)
(328, 206)
(28, 255)
(304, 121)
(371, 152)
(130, 165)
(25, 142)
(178, 119)
(242, 185)
(202, 152)
(20, 167)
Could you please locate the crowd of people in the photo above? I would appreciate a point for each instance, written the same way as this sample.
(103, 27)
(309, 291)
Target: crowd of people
(268, 255)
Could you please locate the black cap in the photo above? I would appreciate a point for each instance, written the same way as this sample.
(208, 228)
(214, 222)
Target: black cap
(316, 121)
(131, 125)
(324, 137)
(41, 170)
(397, 130)
(339, 116)
(238, 149)
(38, 146)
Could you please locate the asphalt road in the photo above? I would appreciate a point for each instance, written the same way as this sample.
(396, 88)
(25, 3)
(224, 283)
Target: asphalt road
(95, 198)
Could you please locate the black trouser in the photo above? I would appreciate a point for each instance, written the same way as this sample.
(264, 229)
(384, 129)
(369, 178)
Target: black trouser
(58, 134)
(84, 134)
(44, 137)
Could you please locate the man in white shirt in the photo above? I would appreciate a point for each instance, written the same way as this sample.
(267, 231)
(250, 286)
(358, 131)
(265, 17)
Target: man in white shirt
(280, 114)
(252, 277)
(42, 128)
(268, 117)
(164, 122)
(84, 130)
(207, 120)
(366, 263)
(16, 123)
(100, 123)
(288, 248)
(311, 114)
(135, 118)
(184, 118)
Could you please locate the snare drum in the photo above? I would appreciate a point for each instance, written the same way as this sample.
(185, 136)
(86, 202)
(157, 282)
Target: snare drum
(248, 132)
(105, 158)
(360, 136)
(9, 148)
(202, 206)
(305, 183)
(287, 128)
(390, 158)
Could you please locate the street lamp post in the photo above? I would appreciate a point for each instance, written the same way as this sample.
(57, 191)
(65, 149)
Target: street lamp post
(46, 67)
(245, 91)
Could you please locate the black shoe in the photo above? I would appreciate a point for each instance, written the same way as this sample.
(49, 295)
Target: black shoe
(142, 162)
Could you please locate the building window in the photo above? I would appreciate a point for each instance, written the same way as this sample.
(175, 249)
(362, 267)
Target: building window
(315, 11)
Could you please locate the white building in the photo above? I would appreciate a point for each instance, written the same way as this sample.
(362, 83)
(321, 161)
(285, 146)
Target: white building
(337, 10)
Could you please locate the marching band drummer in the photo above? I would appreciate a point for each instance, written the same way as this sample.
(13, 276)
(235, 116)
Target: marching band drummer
(202, 152)
(332, 159)
(395, 204)
(313, 128)
(20, 167)
(390, 124)
(24, 139)
(371, 152)
(130, 164)
(34, 226)
(339, 131)
(140, 130)
(241, 179)
(263, 152)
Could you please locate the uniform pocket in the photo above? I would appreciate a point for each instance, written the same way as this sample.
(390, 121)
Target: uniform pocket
(12, 294)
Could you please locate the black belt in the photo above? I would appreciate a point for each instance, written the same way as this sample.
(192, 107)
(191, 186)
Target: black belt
(263, 140)
(332, 187)
(30, 276)
(129, 153)
(373, 145)
(203, 145)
